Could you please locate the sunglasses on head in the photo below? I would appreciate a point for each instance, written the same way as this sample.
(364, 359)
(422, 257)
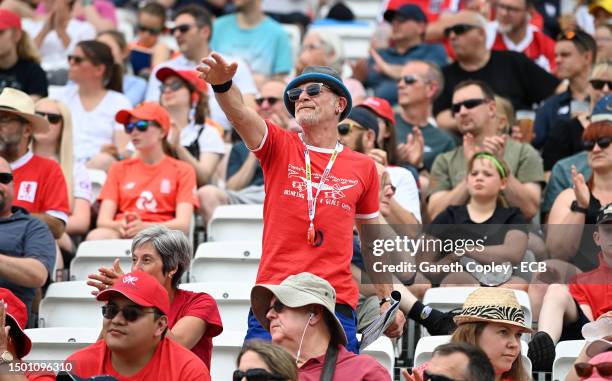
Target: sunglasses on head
(312, 90)
(51, 117)
(146, 29)
(427, 376)
(598, 84)
(603, 143)
(140, 125)
(183, 28)
(468, 104)
(345, 128)
(585, 370)
(458, 29)
(76, 59)
(130, 312)
(5, 178)
(256, 374)
(172, 86)
(271, 100)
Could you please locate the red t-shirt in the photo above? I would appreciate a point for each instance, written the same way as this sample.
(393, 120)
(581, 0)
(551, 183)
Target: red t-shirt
(152, 191)
(349, 366)
(40, 186)
(203, 306)
(594, 288)
(536, 45)
(350, 191)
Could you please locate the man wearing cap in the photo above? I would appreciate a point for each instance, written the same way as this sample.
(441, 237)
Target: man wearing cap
(408, 24)
(14, 343)
(27, 249)
(19, 65)
(40, 187)
(299, 314)
(316, 189)
(135, 345)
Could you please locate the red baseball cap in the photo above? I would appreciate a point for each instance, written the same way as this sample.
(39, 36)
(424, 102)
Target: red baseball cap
(17, 319)
(381, 107)
(192, 77)
(142, 289)
(146, 111)
(9, 19)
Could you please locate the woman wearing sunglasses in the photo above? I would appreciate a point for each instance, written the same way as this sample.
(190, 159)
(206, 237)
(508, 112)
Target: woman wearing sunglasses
(57, 144)
(151, 188)
(195, 139)
(263, 361)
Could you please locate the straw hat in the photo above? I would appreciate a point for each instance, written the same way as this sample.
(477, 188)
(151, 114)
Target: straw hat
(19, 103)
(492, 305)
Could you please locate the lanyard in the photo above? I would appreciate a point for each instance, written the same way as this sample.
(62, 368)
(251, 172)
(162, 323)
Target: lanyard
(312, 201)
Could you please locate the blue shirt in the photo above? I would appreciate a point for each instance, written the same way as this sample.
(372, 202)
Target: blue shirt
(553, 110)
(561, 177)
(386, 87)
(237, 157)
(24, 236)
(265, 47)
(134, 88)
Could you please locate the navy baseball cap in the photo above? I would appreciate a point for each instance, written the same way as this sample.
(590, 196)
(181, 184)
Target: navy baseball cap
(602, 110)
(407, 11)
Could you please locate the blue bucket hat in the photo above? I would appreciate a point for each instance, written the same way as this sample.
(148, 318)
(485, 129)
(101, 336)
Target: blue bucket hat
(602, 110)
(320, 74)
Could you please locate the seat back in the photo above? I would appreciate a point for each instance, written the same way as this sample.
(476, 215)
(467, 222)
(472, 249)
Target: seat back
(236, 223)
(70, 304)
(566, 353)
(58, 343)
(213, 261)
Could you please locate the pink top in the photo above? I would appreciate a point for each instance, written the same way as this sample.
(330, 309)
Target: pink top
(105, 8)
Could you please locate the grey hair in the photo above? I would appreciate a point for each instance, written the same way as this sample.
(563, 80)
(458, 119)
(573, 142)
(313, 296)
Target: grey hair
(172, 246)
(332, 44)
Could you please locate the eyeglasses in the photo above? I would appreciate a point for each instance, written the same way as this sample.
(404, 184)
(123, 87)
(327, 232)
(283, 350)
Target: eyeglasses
(172, 86)
(278, 306)
(468, 104)
(585, 370)
(271, 100)
(76, 59)
(598, 84)
(427, 376)
(458, 29)
(312, 90)
(51, 117)
(312, 46)
(346, 127)
(140, 125)
(183, 28)
(153, 31)
(130, 312)
(409, 79)
(256, 374)
(5, 178)
(603, 143)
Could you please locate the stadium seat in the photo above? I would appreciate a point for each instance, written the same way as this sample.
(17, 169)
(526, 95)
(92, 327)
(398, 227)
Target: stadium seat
(97, 178)
(226, 347)
(566, 353)
(70, 304)
(383, 351)
(426, 345)
(355, 36)
(236, 223)
(369, 10)
(215, 260)
(233, 299)
(59, 343)
(93, 254)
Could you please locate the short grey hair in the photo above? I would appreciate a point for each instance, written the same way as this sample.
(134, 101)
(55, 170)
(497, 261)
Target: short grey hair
(332, 44)
(172, 246)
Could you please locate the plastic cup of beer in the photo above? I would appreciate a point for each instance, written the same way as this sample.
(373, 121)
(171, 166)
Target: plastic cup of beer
(525, 119)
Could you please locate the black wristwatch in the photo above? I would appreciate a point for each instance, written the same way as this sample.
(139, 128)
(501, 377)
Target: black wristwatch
(385, 300)
(577, 208)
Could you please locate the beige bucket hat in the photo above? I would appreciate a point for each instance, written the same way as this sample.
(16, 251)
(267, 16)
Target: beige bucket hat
(19, 103)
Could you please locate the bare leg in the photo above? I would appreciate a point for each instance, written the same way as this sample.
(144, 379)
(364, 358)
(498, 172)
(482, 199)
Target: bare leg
(557, 302)
(101, 161)
(102, 233)
(210, 198)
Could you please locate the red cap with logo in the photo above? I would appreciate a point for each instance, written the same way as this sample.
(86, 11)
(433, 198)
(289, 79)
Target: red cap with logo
(381, 107)
(9, 19)
(17, 319)
(142, 289)
(192, 77)
(146, 111)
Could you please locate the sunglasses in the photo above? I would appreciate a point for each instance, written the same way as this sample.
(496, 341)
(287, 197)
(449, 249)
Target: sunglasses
(458, 29)
(278, 306)
(51, 117)
(312, 90)
(468, 104)
(183, 28)
(131, 312)
(598, 84)
(76, 59)
(140, 125)
(271, 100)
(5, 178)
(603, 143)
(585, 370)
(256, 374)
(435, 377)
(409, 79)
(346, 127)
(172, 86)
(146, 29)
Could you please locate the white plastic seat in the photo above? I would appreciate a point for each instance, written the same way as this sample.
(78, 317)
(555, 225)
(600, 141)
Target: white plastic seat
(366, 9)
(233, 299)
(236, 223)
(59, 343)
(355, 38)
(383, 351)
(426, 345)
(214, 261)
(97, 178)
(70, 304)
(93, 254)
(226, 347)
(566, 353)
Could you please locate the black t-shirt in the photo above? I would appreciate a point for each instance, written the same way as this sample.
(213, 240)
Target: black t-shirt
(510, 74)
(564, 139)
(26, 76)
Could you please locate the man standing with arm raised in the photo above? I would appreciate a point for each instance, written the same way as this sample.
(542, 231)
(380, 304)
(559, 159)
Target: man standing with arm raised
(316, 189)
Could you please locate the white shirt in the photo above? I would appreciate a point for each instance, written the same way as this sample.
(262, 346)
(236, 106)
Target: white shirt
(243, 79)
(406, 191)
(54, 54)
(93, 129)
(209, 141)
(82, 183)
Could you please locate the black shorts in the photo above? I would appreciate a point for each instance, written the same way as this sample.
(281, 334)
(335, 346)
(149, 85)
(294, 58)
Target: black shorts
(573, 330)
